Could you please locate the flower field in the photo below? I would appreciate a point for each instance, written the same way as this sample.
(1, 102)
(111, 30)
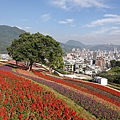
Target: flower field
(22, 99)
(96, 107)
(92, 97)
(88, 88)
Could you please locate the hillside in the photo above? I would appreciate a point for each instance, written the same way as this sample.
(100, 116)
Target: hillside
(7, 35)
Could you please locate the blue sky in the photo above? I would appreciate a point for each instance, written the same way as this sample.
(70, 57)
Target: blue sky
(87, 21)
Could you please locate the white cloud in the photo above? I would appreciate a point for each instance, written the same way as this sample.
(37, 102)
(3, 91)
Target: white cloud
(101, 31)
(106, 30)
(111, 15)
(115, 28)
(27, 27)
(19, 27)
(115, 32)
(66, 21)
(45, 17)
(59, 3)
(111, 18)
(69, 4)
(24, 28)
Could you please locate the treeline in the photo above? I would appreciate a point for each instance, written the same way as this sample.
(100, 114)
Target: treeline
(114, 63)
(113, 75)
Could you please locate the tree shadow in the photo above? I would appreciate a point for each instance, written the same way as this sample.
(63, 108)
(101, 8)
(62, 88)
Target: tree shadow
(17, 66)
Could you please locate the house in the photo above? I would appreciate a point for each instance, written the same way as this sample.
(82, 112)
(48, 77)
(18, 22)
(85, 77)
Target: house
(101, 80)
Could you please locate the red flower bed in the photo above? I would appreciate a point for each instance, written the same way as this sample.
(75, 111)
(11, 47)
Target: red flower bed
(114, 92)
(24, 100)
(77, 87)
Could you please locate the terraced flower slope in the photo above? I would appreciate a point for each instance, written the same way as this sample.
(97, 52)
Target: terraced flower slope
(22, 99)
(104, 106)
(102, 102)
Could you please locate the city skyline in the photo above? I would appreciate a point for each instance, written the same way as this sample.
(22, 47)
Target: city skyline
(87, 21)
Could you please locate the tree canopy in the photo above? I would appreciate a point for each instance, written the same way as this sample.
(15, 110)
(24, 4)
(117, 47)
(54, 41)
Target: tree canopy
(37, 48)
(113, 75)
(114, 63)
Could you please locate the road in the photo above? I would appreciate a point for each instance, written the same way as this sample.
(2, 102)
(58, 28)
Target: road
(82, 75)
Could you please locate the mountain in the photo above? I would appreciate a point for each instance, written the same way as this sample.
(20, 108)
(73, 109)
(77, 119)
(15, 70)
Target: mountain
(68, 48)
(103, 47)
(75, 43)
(7, 35)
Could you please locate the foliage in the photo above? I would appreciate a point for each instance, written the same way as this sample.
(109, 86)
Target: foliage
(37, 48)
(115, 63)
(62, 71)
(112, 75)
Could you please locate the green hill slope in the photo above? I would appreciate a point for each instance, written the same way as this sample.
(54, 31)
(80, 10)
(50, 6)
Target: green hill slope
(7, 35)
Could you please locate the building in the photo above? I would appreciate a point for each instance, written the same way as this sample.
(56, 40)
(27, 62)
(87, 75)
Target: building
(69, 66)
(100, 80)
(100, 61)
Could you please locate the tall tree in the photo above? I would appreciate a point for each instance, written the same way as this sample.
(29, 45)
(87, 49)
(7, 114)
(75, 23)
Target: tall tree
(37, 48)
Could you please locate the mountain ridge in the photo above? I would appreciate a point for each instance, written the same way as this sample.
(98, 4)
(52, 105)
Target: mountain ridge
(8, 34)
(80, 45)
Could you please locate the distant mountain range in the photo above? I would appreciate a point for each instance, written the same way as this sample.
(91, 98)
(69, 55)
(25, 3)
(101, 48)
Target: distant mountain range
(77, 44)
(8, 34)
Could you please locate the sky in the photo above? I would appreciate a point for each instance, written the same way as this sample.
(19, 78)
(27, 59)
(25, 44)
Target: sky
(88, 21)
